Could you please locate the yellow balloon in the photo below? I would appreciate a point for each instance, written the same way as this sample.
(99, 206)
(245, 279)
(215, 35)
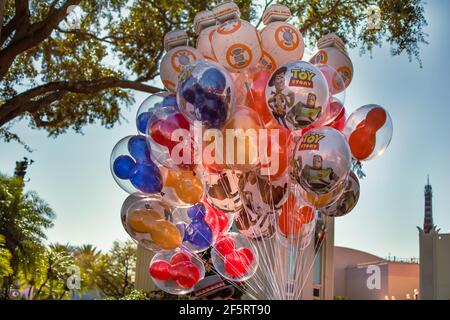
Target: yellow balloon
(140, 220)
(243, 149)
(165, 234)
(188, 187)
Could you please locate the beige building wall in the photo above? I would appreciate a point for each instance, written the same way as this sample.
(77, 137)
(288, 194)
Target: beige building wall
(354, 280)
(344, 257)
(143, 282)
(443, 266)
(403, 279)
(434, 265)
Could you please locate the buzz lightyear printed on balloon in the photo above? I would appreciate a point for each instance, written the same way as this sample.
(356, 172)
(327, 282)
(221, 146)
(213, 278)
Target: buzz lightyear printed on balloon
(297, 94)
(317, 177)
(347, 201)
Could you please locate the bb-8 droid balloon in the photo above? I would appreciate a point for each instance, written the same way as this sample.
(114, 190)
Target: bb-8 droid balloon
(332, 53)
(281, 42)
(204, 26)
(178, 55)
(236, 43)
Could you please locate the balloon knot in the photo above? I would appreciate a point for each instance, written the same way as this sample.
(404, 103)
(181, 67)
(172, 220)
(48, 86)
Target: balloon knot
(357, 168)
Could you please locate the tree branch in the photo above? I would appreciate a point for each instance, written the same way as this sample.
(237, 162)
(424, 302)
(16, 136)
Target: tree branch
(2, 13)
(40, 97)
(21, 19)
(32, 35)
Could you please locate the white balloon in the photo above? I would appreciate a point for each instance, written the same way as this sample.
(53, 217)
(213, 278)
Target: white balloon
(281, 43)
(173, 62)
(236, 45)
(339, 61)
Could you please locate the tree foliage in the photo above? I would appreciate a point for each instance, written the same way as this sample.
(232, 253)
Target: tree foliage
(24, 217)
(115, 271)
(5, 258)
(63, 68)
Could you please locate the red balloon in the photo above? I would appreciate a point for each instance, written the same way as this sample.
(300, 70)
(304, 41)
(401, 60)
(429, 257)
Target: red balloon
(161, 132)
(160, 270)
(248, 253)
(225, 245)
(281, 146)
(179, 257)
(185, 274)
(362, 140)
(339, 122)
(238, 262)
(222, 217)
(161, 129)
(256, 96)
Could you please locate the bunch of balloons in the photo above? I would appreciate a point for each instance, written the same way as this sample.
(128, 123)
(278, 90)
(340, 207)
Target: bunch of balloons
(246, 153)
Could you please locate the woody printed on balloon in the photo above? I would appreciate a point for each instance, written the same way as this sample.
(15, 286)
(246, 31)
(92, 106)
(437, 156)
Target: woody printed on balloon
(247, 137)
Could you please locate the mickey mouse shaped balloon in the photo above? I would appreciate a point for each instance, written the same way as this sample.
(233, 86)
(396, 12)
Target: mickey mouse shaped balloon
(206, 93)
(149, 221)
(281, 41)
(368, 131)
(199, 229)
(133, 168)
(236, 43)
(204, 26)
(176, 271)
(234, 258)
(178, 55)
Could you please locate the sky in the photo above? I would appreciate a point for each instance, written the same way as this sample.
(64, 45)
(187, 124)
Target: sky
(72, 172)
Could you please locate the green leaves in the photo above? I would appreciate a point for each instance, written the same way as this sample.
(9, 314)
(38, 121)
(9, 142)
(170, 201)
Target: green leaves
(5, 258)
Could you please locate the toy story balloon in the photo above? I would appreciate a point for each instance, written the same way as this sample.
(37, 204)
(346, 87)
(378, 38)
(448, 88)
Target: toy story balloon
(321, 162)
(347, 201)
(297, 94)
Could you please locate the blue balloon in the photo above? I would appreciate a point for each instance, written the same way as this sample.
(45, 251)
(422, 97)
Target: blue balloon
(199, 234)
(190, 88)
(197, 212)
(170, 101)
(146, 177)
(139, 149)
(213, 81)
(123, 166)
(211, 112)
(142, 121)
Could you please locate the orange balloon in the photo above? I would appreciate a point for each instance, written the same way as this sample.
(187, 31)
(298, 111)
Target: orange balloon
(242, 152)
(163, 233)
(362, 141)
(140, 219)
(188, 187)
(293, 217)
(256, 97)
(277, 151)
(376, 118)
(166, 235)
